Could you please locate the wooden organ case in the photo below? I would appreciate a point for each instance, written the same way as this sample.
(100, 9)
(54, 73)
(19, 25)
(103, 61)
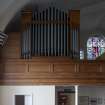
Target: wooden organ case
(51, 32)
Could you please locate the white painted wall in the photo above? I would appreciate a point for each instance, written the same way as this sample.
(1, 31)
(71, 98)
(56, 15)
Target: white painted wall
(93, 92)
(92, 12)
(42, 95)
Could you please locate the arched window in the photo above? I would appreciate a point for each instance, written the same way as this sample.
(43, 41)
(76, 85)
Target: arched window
(95, 47)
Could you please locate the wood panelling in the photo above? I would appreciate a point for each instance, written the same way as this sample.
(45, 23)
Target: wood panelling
(46, 71)
(1, 67)
(89, 67)
(11, 67)
(75, 18)
(26, 18)
(64, 68)
(102, 67)
(12, 47)
(39, 68)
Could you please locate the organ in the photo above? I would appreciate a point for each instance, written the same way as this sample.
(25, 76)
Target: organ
(51, 32)
(25, 60)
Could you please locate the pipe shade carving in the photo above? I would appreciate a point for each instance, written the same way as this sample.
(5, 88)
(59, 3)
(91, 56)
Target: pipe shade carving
(3, 38)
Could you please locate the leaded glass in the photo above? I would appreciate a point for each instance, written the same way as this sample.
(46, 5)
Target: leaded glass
(95, 47)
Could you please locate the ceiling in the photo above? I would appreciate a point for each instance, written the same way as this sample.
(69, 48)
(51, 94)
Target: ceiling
(92, 11)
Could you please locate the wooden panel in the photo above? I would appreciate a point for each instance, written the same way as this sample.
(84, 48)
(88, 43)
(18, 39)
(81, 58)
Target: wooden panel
(1, 67)
(26, 17)
(0, 53)
(89, 67)
(75, 18)
(102, 67)
(74, 22)
(12, 67)
(12, 47)
(39, 68)
(65, 68)
(40, 72)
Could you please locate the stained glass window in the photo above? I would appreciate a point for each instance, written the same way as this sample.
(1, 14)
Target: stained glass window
(95, 47)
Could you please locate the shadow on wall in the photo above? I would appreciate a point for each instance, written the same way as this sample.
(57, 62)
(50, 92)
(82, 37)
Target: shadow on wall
(38, 5)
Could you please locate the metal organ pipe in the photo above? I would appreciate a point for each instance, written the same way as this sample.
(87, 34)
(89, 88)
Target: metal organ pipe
(46, 32)
(38, 32)
(64, 36)
(43, 34)
(33, 15)
(56, 36)
(35, 39)
(41, 40)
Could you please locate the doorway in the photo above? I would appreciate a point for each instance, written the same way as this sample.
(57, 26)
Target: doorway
(65, 95)
(22, 99)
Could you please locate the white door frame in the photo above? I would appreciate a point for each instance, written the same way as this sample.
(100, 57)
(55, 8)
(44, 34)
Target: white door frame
(76, 94)
(25, 94)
